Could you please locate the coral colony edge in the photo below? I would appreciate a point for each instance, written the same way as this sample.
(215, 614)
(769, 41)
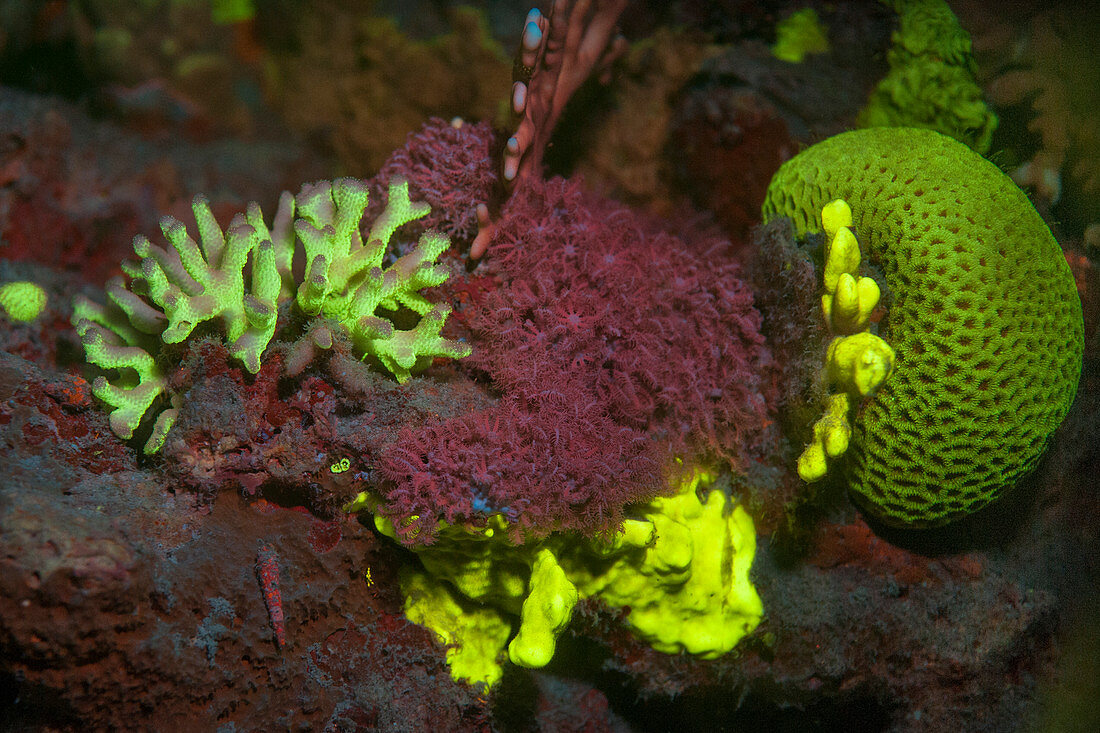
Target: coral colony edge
(689, 369)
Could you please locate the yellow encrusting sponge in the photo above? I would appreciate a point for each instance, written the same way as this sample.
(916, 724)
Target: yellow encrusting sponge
(857, 361)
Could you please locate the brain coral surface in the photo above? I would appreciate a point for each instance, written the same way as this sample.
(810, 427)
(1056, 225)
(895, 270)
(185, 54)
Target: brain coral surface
(982, 312)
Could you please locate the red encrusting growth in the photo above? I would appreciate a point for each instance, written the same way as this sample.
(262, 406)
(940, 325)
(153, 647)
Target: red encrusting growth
(267, 570)
(661, 328)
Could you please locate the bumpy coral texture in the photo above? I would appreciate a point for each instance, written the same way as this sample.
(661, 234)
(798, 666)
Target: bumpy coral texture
(661, 327)
(449, 166)
(931, 80)
(984, 318)
(614, 346)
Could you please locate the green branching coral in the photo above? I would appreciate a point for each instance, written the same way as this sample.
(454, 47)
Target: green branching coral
(345, 280)
(931, 79)
(113, 345)
(982, 312)
(173, 290)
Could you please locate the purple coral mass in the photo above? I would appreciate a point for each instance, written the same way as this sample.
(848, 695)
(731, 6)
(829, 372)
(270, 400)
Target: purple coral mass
(448, 166)
(615, 347)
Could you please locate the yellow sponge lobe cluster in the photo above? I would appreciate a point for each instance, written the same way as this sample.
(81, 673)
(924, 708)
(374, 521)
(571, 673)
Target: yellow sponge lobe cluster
(473, 634)
(688, 591)
(681, 565)
(546, 611)
(857, 361)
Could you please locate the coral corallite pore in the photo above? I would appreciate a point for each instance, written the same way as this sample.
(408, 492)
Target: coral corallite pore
(981, 310)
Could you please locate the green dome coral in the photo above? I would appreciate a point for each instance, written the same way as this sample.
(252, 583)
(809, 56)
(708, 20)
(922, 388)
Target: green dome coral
(982, 313)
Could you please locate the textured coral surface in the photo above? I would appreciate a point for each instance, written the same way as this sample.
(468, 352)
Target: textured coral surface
(615, 346)
(982, 313)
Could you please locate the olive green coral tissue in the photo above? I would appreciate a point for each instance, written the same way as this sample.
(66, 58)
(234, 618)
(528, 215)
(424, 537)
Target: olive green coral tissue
(169, 291)
(981, 310)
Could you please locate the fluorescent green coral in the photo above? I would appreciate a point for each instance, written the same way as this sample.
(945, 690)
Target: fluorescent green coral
(22, 300)
(114, 345)
(345, 280)
(931, 81)
(189, 284)
(173, 290)
(799, 34)
(981, 309)
(682, 567)
(170, 292)
(224, 12)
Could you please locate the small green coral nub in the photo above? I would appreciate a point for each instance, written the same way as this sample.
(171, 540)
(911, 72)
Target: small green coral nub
(22, 301)
(799, 34)
(225, 12)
